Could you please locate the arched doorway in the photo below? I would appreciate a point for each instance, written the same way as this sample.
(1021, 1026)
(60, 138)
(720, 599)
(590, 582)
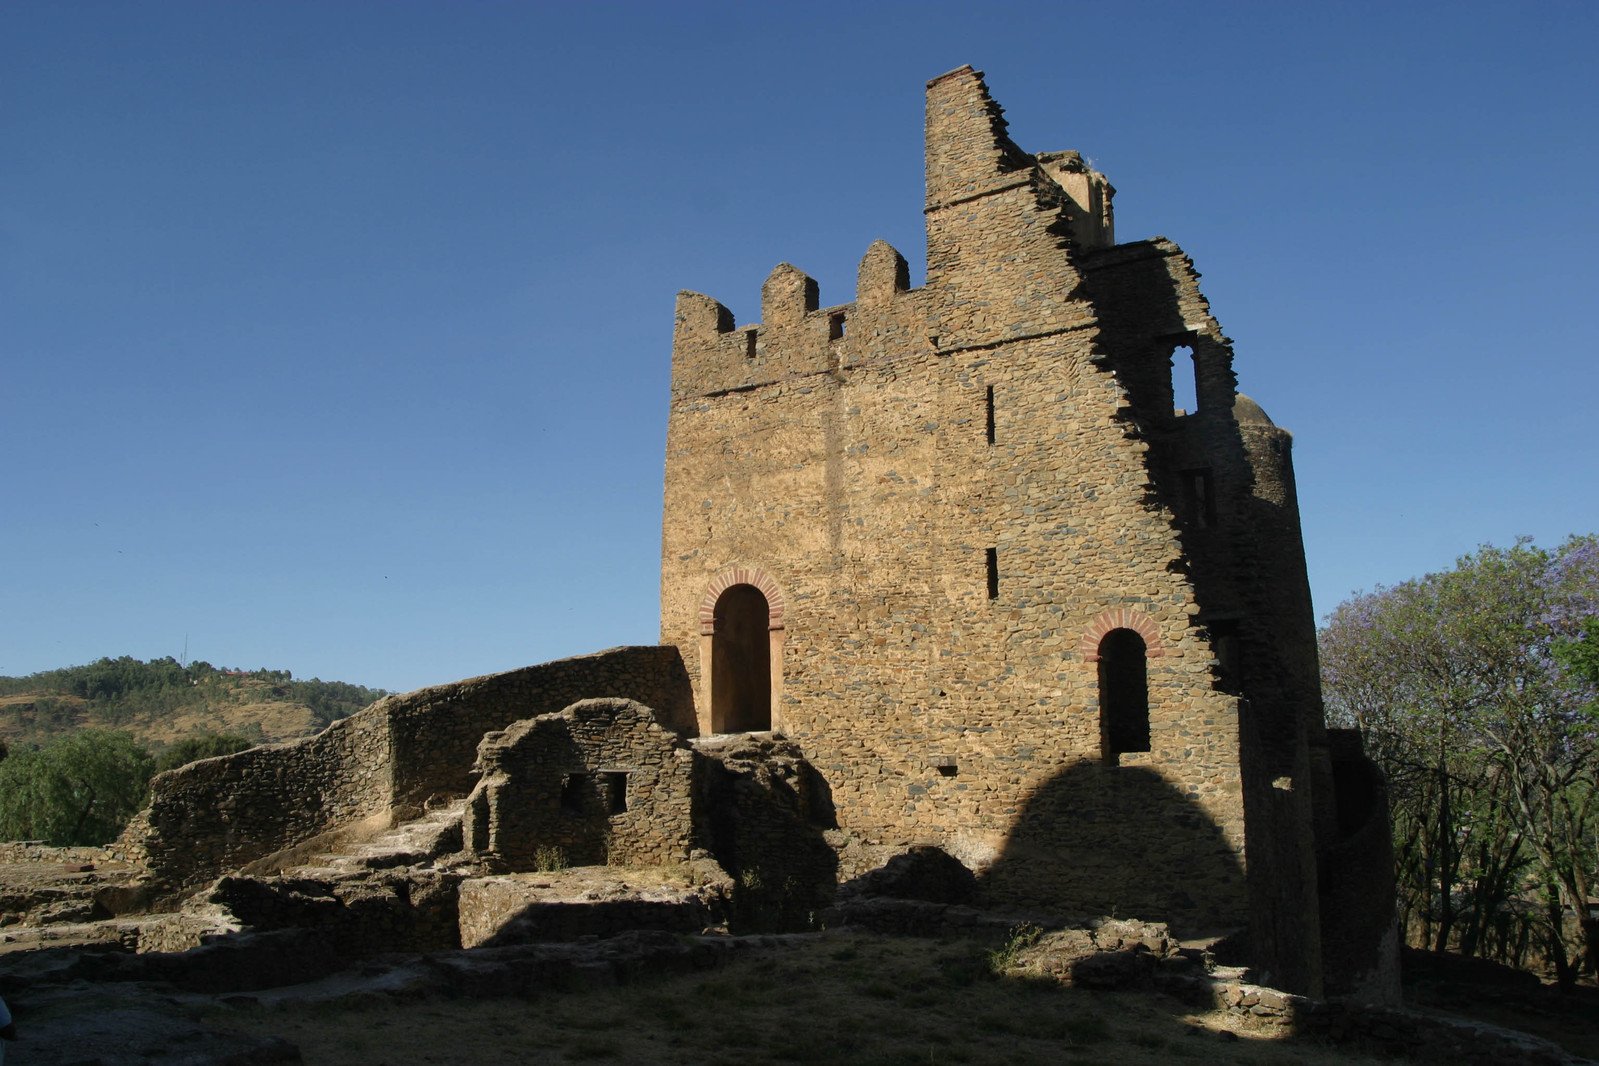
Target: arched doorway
(741, 662)
(1123, 695)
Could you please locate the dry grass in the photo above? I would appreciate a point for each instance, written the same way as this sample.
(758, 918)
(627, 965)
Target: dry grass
(250, 711)
(840, 998)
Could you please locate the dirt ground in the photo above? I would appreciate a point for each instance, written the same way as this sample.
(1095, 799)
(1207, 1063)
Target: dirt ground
(840, 998)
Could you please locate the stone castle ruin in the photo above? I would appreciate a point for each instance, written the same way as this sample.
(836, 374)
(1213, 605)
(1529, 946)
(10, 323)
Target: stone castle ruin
(941, 568)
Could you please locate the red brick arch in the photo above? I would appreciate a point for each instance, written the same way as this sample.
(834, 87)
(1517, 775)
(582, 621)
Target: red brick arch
(742, 575)
(1120, 618)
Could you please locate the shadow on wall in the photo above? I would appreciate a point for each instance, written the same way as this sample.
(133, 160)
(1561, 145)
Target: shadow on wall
(767, 811)
(1120, 841)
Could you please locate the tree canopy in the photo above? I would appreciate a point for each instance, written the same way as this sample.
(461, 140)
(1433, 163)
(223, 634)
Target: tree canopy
(80, 789)
(1477, 690)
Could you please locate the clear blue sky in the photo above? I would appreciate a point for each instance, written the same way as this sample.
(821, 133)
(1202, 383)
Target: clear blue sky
(334, 337)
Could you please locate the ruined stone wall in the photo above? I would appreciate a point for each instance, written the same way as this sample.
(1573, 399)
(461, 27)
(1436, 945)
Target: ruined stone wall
(435, 731)
(843, 457)
(766, 812)
(1223, 472)
(220, 814)
(598, 782)
(380, 765)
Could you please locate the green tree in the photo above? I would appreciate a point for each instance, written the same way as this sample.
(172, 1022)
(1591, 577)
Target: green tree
(1459, 682)
(80, 789)
(204, 746)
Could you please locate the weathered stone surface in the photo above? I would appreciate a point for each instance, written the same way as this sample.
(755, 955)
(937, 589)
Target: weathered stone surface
(973, 525)
(597, 782)
(596, 901)
(767, 814)
(923, 873)
(383, 764)
(960, 575)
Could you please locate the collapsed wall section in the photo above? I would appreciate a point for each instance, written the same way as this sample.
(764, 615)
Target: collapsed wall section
(220, 814)
(952, 510)
(435, 731)
(600, 782)
(1222, 471)
(380, 765)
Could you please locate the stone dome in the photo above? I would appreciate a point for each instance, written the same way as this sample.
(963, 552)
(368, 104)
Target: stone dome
(1246, 411)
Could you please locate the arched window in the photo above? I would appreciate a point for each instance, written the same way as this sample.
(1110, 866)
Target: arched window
(1123, 695)
(741, 662)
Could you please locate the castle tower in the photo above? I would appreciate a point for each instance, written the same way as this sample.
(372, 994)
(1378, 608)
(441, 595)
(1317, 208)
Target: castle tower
(957, 542)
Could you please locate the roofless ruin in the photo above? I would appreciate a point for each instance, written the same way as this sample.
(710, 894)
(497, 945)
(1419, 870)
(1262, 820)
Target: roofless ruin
(955, 549)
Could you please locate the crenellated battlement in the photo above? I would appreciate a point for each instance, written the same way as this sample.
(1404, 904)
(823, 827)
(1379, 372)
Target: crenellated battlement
(796, 336)
(1011, 599)
(997, 219)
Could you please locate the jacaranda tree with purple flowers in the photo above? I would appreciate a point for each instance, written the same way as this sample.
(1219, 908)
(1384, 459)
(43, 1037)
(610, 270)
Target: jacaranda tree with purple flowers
(1477, 690)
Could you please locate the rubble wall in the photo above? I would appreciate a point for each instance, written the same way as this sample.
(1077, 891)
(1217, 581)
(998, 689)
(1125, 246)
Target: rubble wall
(948, 492)
(599, 782)
(382, 764)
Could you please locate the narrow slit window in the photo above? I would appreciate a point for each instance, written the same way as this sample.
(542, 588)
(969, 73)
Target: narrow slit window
(614, 785)
(1200, 489)
(990, 411)
(749, 344)
(1229, 654)
(1184, 380)
(835, 326)
(993, 573)
(574, 790)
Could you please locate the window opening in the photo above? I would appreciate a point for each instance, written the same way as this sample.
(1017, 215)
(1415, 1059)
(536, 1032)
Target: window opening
(1123, 695)
(614, 786)
(993, 573)
(574, 789)
(991, 414)
(1184, 380)
(749, 344)
(1200, 489)
(1229, 654)
(835, 326)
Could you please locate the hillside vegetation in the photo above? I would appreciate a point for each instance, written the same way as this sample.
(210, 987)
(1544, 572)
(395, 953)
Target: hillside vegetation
(163, 702)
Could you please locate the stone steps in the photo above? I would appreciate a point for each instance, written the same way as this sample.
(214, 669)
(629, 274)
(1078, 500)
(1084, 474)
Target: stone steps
(417, 842)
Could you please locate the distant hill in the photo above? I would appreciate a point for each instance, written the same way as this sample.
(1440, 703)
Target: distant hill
(163, 701)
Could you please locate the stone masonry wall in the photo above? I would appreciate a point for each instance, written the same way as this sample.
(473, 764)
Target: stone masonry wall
(598, 782)
(436, 731)
(378, 766)
(882, 449)
(219, 814)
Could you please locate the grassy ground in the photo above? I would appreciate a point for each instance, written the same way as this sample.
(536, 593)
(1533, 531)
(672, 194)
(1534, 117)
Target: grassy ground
(841, 998)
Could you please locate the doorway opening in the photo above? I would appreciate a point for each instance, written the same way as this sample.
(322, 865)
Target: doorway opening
(741, 662)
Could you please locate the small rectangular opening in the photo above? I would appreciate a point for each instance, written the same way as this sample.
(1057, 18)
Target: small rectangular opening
(614, 785)
(1200, 490)
(1185, 380)
(991, 414)
(993, 573)
(574, 790)
(749, 344)
(835, 326)
(1229, 654)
